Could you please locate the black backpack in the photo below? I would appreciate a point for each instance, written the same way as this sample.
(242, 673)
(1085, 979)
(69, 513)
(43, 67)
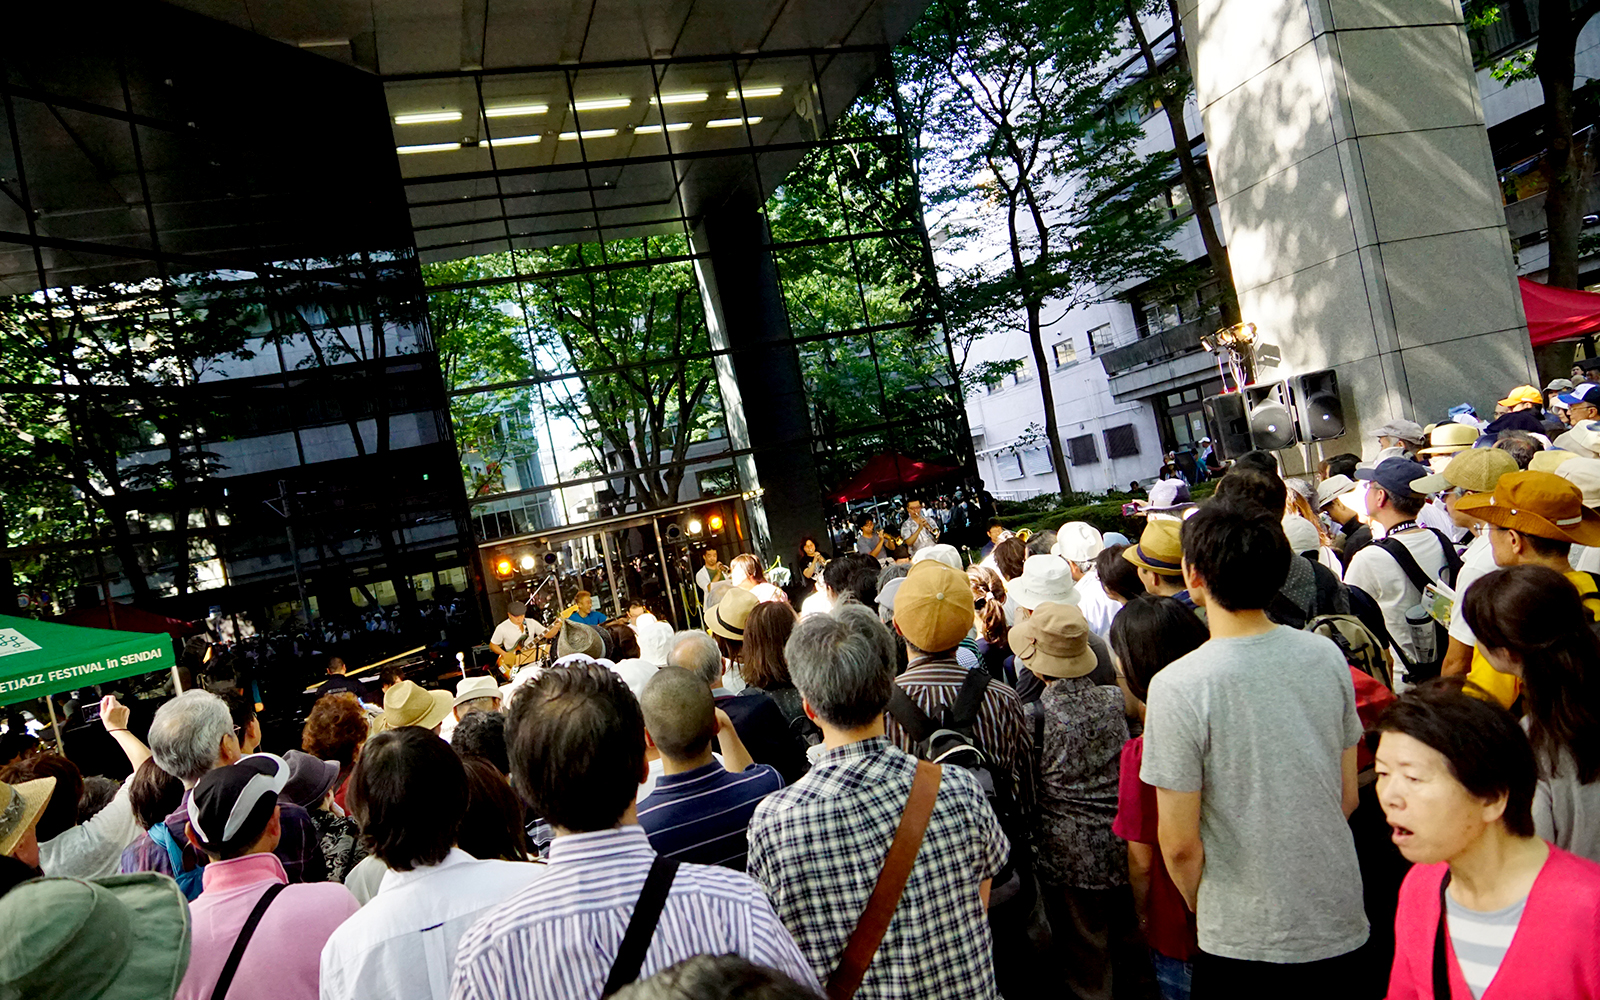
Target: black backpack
(1417, 672)
(952, 739)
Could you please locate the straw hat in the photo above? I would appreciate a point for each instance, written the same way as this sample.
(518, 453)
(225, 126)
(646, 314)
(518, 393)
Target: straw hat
(1044, 579)
(1449, 438)
(933, 608)
(1054, 642)
(1536, 503)
(20, 807)
(406, 704)
(728, 617)
(1549, 460)
(1159, 549)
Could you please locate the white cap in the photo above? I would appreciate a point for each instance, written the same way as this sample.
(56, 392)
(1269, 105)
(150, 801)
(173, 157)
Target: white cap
(1078, 542)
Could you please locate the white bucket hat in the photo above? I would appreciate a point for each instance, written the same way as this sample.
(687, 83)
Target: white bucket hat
(1045, 580)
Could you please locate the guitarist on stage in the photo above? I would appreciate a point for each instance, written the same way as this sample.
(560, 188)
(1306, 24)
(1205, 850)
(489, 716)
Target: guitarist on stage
(512, 642)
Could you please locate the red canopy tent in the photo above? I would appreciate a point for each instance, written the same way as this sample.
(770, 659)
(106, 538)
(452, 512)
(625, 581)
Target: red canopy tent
(888, 472)
(1558, 313)
(131, 619)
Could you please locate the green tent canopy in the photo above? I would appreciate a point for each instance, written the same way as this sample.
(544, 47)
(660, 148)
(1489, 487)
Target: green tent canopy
(40, 658)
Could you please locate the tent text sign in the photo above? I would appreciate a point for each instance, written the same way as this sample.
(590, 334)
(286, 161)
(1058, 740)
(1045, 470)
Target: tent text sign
(40, 658)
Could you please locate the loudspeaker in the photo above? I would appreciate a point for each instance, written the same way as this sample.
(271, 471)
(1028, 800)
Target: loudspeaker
(1272, 425)
(1320, 407)
(1225, 418)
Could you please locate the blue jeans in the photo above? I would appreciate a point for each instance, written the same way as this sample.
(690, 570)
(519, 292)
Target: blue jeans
(1172, 976)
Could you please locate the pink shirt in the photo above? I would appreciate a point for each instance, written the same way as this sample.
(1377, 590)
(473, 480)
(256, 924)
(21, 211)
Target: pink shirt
(284, 955)
(1554, 955)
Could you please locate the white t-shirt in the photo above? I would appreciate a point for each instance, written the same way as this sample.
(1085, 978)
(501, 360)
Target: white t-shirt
(1477, 561)
(507, 633)
(1375, 571)
(1098, 609)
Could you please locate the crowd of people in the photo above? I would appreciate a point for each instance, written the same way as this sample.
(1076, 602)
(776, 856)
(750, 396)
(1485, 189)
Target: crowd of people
(1331, 732)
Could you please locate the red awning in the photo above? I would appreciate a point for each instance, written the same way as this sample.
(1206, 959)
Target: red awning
(1558, 313)
(131, 619)
(888, 472)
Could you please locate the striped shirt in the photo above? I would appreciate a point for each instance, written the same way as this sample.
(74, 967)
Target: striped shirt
(557, 938)
(1480, 940)
(1001, 730)
(701, 815)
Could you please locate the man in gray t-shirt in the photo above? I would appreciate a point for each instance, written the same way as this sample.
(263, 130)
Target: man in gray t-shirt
(1250, 743)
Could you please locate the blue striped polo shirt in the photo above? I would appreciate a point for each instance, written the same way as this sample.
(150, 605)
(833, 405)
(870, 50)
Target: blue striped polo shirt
(701, 816)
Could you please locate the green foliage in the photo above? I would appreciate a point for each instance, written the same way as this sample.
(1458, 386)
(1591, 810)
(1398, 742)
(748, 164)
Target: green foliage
(1102, 510)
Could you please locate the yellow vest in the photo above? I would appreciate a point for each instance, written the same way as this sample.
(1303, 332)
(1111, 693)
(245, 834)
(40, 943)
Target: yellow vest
(1505, 688)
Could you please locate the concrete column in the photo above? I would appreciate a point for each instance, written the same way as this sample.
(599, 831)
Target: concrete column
(763, 392)
(1358, 198)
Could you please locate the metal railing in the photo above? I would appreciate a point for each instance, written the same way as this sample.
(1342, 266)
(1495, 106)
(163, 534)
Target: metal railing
(1170, 343)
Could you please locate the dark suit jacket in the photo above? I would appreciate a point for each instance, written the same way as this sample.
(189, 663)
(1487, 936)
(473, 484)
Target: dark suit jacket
(765, 732)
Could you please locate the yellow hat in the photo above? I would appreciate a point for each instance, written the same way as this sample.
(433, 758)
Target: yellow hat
(1522, 394)
(1159, 549)
(933, 608)
(1536, 503)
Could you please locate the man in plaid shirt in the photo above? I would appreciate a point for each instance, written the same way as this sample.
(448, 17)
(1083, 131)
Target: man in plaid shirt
(819, 845)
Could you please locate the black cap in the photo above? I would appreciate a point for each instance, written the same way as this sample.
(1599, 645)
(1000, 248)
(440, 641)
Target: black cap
(231, 805)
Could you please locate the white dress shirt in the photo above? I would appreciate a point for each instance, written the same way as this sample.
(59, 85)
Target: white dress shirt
(94, 847)
(402, 944)
(1098, 609)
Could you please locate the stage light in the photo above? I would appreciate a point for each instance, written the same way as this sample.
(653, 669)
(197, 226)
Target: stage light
(694, 527)
(502, 568)
(716, 522)
(527, 562)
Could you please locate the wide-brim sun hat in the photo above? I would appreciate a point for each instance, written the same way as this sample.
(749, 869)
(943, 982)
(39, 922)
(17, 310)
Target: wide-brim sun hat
(408, 704)
(1168, 495)
(1583, 439)
(1054, 642)
(728, 617)
(472, 688)
(1159, 548)
(1045, 579)
(1449, 438)
(21, 805)
(576, 637)
(1542, 504)
(310, 778)
(1548, 460)
(120, 937)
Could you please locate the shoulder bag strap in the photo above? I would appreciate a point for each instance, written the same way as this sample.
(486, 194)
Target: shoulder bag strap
(237, 954)
(885, 898)
(970, 698)
(642, 925)
(1441, 957)
(911, 718)
(1408, 563)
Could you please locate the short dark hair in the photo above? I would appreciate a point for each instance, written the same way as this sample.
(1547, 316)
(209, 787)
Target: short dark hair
(408, 793)
(1546, 547)
(1148, 634)
(62, 811)
(679, 713)
(98, 791)
(1485, 747)
(1041, 542)
(1261, 461)
(1240, 553)
(494, 825)
(864, 520)
(1520, 445)
(716, 976)
(1342, 465)
(1406, 504)
(854, 574)
(1117, 575)
(1009, 555)
(1249, 484)
(243, 711)
(482, 735)
(576, 737)
(765, 632)
(153, 793)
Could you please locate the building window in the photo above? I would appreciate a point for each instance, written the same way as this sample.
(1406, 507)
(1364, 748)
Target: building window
(1009, 465)
(1081, 450)
(1021, 375)
(1066, 353)
(1100, 339)
(1037, 461)
(1121, 442)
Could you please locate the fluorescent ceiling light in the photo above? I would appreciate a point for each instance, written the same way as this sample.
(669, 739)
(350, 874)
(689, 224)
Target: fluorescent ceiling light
(589, 133)
(734, 95)
(427, 117)
(602, 104)
(431, 147)
(513, 140)
(516, 110)
(731, 122)
(656, 129)
(681, 98)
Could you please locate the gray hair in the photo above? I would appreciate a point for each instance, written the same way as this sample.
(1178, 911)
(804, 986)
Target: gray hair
(843, 664)
(893, 571)
(186, 735)
(696, 652)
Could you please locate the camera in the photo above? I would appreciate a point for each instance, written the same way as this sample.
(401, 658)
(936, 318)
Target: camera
(1131, 510)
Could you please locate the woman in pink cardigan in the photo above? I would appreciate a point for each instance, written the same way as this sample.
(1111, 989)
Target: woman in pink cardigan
(1521, 918)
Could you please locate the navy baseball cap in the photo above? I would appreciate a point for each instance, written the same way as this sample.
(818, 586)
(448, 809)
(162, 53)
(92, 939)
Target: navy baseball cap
(1396, 475)
(1586, 393)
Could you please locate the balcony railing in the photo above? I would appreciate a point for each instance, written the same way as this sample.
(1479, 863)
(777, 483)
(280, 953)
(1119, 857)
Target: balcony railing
(1170, 343)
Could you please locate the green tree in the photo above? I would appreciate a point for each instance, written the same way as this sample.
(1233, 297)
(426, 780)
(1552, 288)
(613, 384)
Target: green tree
(1007, 100)
(1568, 110)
